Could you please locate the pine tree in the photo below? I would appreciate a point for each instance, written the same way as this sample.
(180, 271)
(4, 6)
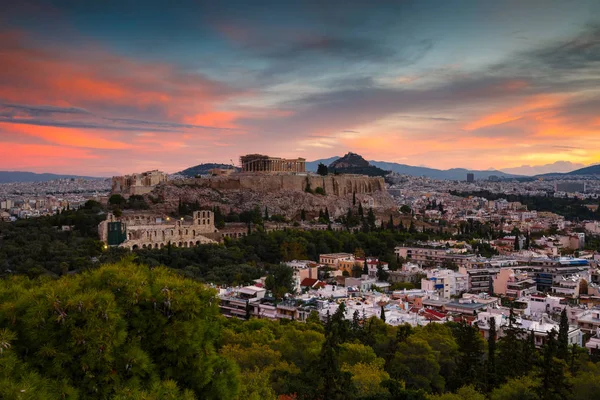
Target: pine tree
(382, 315)
(491, 361)
(563, 336)
(510, 360)
(527, 241)
(360, 210)
(554, 383)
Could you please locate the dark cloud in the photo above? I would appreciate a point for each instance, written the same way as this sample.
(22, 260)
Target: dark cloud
(581, 52)
(29, 115)
(35, 110)
(348, 48)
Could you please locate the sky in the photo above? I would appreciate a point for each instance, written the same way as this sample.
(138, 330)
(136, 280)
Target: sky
(112, 87)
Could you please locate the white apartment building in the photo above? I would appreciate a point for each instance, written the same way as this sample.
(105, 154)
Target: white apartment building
(446, 282)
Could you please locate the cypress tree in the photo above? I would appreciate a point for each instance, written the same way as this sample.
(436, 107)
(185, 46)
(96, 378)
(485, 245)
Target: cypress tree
(491, 361)
(382, 315)
(360, 209)
(303, 215)
(266, 214)
(366, 267)
(391, 223)
(554, 384)
(563, 336)
(353, 198)
(510, 359)
(326, 215)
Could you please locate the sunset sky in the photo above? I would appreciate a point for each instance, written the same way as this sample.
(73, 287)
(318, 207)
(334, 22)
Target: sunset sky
(110, 87)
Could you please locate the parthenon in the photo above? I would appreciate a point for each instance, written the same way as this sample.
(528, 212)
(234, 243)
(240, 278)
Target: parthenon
(265, 164)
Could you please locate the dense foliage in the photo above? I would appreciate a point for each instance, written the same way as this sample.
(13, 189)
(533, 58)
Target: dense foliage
(40, 245)
(126, 331)
(122, 331)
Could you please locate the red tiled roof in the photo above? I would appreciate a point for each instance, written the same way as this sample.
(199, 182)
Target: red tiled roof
(309, 282)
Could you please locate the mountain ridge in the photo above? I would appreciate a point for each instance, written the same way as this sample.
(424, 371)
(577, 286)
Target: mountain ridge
(25, 176)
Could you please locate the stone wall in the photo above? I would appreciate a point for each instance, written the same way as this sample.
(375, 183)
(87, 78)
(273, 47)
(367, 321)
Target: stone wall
(337, 185)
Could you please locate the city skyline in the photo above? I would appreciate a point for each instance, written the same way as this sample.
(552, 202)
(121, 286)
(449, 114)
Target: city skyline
(115, 88)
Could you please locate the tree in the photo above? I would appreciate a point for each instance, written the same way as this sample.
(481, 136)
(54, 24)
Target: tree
(120, 328)
(563, 336)
(326, 215)
(322, 169)
(371, 219)
(117, 200)
(353, 198)
(522, 388)
(266, 217)
(382, 314)
(517, 245)
(303, 215)
(365, 267)
(491, 360)
(307, 188)
(470, 356)
(382, 274)
(527, 241)
(360, 210)
(390, 224)
(553, 380)
(415, 363)
(331, 382)
(511, 362)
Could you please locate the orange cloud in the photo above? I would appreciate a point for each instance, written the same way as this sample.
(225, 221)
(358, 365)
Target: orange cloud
(531, 105)
(71, 137)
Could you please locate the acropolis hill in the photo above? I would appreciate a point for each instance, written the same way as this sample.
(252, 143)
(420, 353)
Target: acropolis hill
(278, 184)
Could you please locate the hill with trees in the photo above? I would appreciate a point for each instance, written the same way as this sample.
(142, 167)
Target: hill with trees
(591, 170)
(353, 163)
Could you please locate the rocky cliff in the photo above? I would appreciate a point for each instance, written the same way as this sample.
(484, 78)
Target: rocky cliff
(281, 194)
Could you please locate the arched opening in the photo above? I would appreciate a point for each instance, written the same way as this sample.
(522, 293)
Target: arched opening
(162, 245)
(144, 246)
(180, 244)
(198, 243)
(134, 247)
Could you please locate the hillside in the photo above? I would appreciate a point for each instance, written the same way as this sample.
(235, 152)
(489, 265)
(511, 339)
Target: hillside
(353, 163)
(201, 169)
(591, 170)
(21, 176)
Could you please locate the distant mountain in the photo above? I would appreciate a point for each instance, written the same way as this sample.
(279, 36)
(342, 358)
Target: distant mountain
(353, 163)
(591, 170)
(311, 166)
(459, 174)
(454, 174)
(558, 167)
(20, 176)
(202, 169)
